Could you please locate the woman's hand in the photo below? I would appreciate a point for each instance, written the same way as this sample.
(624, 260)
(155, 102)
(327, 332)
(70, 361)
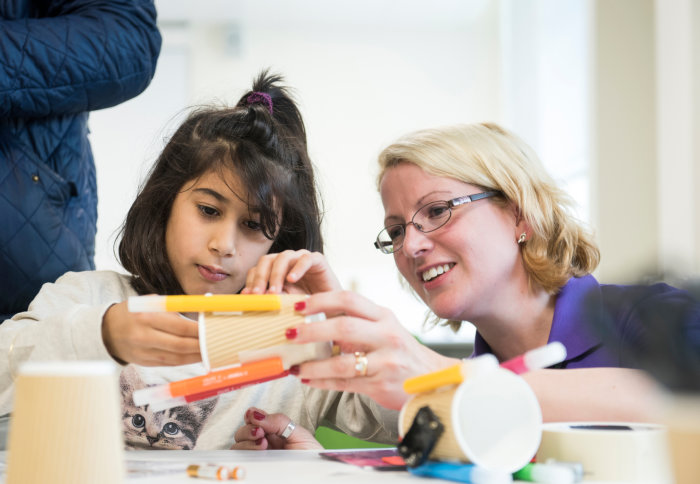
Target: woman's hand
(291, 271)
(356, 324)
(264, 431)
(150, 339)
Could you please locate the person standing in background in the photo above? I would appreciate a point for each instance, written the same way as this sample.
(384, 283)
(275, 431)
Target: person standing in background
(59, 60)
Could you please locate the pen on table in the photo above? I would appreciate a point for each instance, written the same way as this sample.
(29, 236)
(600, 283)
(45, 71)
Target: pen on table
(207, 303)
(215, 472)
(451, 375)
(546, 474)
(468, 473)
(215, 380)
(542, 357)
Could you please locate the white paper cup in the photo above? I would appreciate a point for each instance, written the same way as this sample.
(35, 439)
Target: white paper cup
(492, 420)
(65, 426)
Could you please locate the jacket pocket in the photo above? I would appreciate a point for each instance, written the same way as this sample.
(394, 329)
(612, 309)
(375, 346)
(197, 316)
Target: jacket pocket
(57, 189)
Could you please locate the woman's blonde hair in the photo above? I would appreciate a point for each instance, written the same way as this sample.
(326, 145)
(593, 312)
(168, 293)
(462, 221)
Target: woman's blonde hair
(486, 155)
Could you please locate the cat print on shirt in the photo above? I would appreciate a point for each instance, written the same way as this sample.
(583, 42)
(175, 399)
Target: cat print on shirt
(175, 428)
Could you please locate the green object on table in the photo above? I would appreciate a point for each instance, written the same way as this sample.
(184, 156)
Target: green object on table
(332, 439)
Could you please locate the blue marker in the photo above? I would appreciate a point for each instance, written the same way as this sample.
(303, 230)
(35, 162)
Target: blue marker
(468, 473)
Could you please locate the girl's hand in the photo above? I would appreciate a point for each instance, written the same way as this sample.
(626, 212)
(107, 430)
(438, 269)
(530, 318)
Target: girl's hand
(291, 271)
(264, 431)
(358, 325)
(150, 339)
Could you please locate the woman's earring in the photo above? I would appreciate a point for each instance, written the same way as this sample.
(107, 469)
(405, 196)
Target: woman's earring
(521, 239)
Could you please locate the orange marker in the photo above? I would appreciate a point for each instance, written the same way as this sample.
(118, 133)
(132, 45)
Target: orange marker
(176, 392)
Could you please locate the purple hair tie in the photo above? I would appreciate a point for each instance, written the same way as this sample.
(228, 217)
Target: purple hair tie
(261, 97)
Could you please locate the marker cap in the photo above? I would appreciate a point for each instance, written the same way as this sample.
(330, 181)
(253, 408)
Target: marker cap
(547, 355)
(146, 304)
(145, 396)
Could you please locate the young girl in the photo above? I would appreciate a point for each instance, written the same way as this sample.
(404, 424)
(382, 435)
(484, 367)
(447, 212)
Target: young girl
(231, 185)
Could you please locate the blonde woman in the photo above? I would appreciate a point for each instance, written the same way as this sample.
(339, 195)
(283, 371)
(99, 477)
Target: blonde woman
(482, 234)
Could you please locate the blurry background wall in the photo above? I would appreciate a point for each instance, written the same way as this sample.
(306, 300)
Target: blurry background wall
(607, 92)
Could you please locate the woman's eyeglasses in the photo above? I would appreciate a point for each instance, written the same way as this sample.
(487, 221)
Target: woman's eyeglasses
(428, 218)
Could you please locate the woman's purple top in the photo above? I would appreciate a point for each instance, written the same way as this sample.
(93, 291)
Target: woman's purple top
(620, 326)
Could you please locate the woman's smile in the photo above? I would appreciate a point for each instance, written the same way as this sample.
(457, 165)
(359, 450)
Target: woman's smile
(435, 271)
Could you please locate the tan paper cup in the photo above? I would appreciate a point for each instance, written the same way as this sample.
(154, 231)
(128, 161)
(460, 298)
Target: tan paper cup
(223, 336)
(683, 420)
(65, 426)
(492, 420)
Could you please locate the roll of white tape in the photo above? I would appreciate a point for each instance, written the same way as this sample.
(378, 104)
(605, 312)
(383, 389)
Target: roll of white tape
(609, 451)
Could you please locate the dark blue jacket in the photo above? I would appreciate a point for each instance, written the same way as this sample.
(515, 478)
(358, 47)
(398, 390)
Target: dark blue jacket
(58, 61)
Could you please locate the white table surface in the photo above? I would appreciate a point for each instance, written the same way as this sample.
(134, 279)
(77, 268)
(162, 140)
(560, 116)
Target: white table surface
(270, 466)
(281, 466)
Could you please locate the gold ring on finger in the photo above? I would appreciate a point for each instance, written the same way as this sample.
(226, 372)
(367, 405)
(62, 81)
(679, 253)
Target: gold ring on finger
(360, 363)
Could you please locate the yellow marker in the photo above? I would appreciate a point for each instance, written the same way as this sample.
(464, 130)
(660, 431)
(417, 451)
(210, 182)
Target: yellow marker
(451, 375)
(206, 303)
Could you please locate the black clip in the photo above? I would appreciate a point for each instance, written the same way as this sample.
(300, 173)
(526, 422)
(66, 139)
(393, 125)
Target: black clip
(421, 437)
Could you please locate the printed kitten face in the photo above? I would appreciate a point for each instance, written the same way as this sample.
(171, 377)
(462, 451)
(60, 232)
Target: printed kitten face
(176, 428)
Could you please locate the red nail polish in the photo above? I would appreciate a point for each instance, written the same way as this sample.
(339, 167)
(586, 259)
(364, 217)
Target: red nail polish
(299, 305)
(291, 333)
(254, 431)
(294, 369)
(259, 441)
(258, 415)
(305, 380)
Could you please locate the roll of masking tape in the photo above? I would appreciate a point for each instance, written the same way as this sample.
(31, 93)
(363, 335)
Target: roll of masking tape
(609, 451)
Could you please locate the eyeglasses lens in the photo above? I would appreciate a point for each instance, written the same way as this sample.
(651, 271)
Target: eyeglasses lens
(426, 219)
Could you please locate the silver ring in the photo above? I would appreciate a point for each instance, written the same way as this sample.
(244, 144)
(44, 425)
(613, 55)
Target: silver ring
(360, 363)
(288, 430)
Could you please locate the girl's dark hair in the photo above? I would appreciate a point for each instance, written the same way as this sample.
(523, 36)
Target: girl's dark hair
(263, 141)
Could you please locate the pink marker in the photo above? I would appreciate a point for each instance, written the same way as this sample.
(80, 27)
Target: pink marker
(542, 357)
